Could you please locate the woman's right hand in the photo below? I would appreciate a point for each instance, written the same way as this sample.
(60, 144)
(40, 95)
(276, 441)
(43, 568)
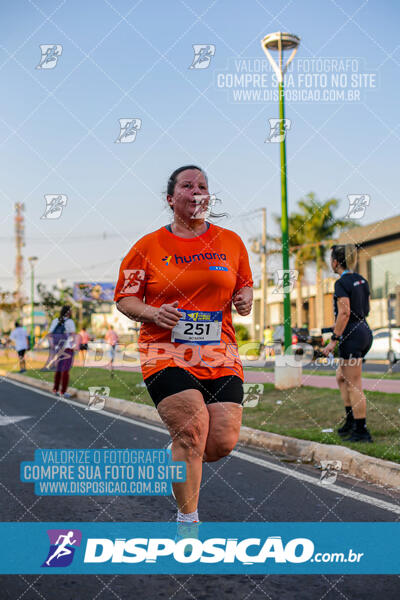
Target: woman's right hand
(167, 315)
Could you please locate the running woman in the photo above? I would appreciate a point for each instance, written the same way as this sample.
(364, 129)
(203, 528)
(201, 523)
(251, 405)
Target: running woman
(180, 282)
(351, 330)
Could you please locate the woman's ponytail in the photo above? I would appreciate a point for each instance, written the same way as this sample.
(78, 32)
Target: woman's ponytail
(346, 255)
(350, 253)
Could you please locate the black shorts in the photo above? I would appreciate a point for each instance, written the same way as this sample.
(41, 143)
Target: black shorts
(355, 341)
(173, 380)
(21, 353)
(83, 347)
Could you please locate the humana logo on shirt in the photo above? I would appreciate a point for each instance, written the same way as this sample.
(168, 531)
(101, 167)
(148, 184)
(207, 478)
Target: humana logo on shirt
(179, 260)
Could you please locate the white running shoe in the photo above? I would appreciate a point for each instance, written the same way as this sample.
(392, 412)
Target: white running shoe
(189, 531)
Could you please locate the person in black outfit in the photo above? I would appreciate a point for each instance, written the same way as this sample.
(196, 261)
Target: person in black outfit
(351, 330)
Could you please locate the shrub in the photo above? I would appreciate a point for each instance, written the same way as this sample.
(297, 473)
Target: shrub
(242, 333)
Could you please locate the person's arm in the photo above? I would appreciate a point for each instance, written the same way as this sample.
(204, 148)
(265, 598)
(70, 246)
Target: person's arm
(342, 319)
(243, 294)
(165, 316)
(73, 340)
(52, 326)
(243, 300)
(343, 315)
(131, 289)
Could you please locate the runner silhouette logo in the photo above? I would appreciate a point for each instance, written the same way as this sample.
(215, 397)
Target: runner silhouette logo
(63, 543)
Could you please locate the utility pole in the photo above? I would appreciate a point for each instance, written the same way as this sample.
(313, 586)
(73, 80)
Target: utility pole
(80, 315)
(261, 249)
(263, 311)
(32, 260)
(19, 243)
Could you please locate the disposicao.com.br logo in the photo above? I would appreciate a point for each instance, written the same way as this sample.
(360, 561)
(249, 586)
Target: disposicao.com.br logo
(247, 551)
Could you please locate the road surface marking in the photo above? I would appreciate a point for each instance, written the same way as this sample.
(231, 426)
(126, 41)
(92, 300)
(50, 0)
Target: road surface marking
(9, 420)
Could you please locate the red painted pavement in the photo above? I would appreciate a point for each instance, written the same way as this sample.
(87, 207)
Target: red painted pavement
(389, 386)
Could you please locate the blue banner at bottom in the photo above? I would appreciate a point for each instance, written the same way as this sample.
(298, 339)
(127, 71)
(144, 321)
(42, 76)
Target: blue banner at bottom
(199, 548)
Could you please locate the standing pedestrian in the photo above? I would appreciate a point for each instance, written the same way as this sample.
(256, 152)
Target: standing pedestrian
(111, 338)
(83, 345)
(62, 332)
(268, 341)
(19, 336)
(351, 330)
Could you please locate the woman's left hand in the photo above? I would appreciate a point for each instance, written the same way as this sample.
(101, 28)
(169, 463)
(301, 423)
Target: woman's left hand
(329, 348)
(243, 301)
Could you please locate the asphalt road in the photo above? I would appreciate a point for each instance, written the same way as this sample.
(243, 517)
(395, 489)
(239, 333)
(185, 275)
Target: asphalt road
(235, 489)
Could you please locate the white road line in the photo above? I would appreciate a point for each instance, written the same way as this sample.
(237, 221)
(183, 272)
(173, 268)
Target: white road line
(261, 462)
(157, 428)
(9, 420)
(314, 481)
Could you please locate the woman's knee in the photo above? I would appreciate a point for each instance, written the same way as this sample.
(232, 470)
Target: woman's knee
(352, 377)
(340, 378)
(219, 448)
(191, 437)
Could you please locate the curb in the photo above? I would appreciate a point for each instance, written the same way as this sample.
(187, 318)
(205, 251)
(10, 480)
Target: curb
(373, 470)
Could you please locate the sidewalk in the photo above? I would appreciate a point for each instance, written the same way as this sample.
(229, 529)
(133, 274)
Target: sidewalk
(388, 386)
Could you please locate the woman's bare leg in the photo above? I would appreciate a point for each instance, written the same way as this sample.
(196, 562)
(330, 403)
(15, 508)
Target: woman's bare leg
(186, 417)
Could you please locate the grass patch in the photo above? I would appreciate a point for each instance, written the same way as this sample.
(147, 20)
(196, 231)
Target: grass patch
(251, 347)
(303, 414)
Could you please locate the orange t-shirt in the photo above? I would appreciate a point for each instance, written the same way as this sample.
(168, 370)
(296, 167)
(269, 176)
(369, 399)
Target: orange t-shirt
(202, 274)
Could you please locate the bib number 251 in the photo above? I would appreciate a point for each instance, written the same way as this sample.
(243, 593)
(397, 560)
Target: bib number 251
(197, 328)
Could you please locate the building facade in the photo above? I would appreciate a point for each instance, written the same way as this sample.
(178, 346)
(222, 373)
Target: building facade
(378, 247)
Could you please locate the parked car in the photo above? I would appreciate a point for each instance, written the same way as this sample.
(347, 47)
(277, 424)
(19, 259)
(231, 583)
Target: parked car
(381, 349)
(300, 335)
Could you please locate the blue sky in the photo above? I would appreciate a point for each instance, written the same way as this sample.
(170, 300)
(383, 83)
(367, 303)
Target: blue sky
(131, 60)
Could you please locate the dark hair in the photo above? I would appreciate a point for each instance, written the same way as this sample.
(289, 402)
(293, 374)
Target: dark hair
(172, 183)
(63, 312)
(173, 177)
(346, 255)
(16, 323)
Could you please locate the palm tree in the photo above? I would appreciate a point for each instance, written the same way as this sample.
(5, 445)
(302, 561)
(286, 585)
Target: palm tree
(319, 225)
(310, 228)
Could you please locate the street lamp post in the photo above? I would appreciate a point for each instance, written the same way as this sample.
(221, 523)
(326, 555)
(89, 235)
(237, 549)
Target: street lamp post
(32, 260)
(283, 41)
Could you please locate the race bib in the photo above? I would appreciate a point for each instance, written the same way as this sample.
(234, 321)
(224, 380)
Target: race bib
(198, 327)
